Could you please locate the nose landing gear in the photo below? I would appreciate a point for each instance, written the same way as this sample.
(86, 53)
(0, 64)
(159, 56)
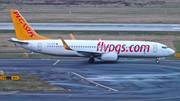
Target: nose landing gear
(157, 60)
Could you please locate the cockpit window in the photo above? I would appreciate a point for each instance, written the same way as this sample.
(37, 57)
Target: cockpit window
(164, 47)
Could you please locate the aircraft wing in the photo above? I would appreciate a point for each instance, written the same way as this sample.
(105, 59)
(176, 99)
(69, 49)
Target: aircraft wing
(88, 53)
(81, 52)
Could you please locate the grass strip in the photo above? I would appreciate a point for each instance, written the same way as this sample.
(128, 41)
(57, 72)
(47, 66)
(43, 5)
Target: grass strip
(172, 57)
(177, 45)
(29, 56)
(38, 56)
(27, 82)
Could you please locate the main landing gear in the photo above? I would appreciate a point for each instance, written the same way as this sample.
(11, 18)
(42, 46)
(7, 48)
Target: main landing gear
(91, 60)
(157, 60)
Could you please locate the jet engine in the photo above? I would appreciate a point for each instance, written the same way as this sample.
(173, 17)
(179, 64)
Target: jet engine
(109, 56)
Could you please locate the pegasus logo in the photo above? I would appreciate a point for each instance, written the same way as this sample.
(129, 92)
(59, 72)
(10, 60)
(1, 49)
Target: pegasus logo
(25, 25)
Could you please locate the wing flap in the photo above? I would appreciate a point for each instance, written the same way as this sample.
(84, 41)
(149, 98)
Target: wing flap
(88, 53)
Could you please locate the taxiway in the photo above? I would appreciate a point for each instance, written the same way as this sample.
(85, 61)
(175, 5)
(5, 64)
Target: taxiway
(97, 27)
(127, 79)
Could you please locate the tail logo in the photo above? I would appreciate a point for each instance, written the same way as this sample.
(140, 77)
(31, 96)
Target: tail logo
(25, 25)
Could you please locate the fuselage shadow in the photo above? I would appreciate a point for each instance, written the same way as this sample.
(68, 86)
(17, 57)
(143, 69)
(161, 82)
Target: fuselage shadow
(123, 62)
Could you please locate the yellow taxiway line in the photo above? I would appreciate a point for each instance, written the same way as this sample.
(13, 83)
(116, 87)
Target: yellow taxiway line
(56, 62)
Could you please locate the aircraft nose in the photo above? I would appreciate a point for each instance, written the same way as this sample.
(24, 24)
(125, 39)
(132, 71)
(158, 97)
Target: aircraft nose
(171, 52)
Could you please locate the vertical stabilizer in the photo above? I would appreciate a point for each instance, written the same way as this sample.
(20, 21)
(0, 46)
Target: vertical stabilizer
(23, 29)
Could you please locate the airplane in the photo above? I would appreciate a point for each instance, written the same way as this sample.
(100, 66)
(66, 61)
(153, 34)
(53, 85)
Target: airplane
(105, 50)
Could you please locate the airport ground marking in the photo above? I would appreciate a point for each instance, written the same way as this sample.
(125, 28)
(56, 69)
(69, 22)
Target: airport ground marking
(166, 66)
(177, 55)
(8, 92)
(160, 66)
(94, 82)
(56, 62)
(9, 77)
(166, 98)
(1, 72)
(43, 94)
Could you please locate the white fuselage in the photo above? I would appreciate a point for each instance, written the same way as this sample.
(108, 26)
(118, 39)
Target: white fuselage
(122, 48)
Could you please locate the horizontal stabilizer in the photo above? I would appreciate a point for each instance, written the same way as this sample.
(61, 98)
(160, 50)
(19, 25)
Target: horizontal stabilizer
(21, 42)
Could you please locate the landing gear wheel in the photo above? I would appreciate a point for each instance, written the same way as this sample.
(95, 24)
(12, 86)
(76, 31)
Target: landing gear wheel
(91, 60)
(157, 61)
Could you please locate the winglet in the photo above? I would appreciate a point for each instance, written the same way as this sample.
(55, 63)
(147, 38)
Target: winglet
(65, 45)
(72, 37)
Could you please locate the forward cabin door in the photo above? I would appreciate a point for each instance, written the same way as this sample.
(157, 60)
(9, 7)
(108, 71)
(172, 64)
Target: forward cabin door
(155, 48)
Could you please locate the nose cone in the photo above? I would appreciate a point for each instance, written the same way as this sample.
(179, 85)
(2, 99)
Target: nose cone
(171, 52)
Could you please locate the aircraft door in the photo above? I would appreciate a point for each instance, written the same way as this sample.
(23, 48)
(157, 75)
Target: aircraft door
(154, 48)
(39, 46)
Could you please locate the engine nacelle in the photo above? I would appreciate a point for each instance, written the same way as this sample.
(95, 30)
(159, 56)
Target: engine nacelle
(109, 56)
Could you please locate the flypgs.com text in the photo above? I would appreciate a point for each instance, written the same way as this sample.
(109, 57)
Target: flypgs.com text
(101, 46)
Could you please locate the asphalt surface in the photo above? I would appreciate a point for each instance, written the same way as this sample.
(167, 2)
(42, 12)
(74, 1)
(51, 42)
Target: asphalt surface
(97, 26)
(125, 80)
